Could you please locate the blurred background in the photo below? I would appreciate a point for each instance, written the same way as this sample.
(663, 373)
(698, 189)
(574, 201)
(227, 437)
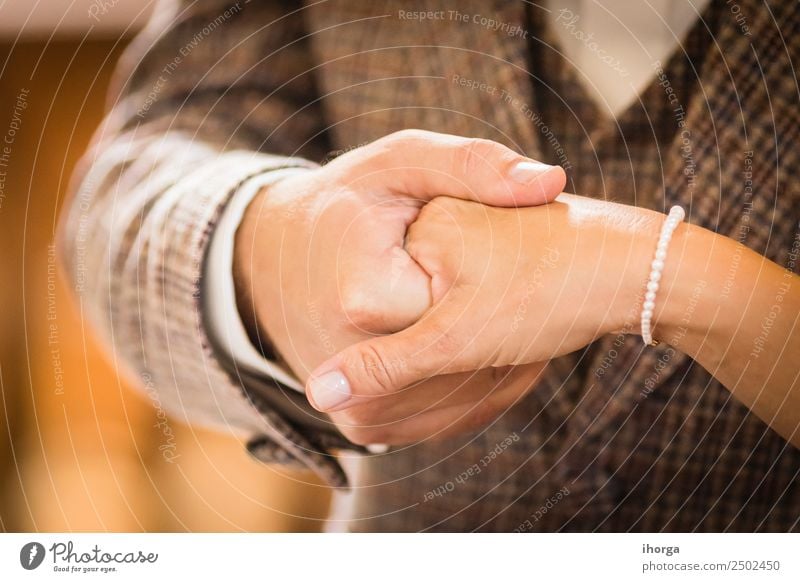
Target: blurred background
(79, 449)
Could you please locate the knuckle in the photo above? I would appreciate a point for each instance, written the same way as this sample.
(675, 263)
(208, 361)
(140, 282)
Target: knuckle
(426, 239)
(377, 369)
(446, 342)
(475, 155)
(415, 238)
(384, 148)
(421, 252)
(357, 308)
(383, 151)
(406, 136)
(442, 206)
(439, 210)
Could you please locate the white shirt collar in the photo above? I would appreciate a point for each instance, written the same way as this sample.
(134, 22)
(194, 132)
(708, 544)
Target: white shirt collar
(615, 43)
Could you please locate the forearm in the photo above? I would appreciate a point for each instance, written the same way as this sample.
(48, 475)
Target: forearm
(551, 280)
(729, 308)
(175, 148)
(736, 314)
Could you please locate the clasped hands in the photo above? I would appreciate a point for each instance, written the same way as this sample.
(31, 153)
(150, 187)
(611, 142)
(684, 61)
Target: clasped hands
(419, 284)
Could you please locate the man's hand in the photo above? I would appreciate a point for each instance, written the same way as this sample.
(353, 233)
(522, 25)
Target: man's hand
(320, 255)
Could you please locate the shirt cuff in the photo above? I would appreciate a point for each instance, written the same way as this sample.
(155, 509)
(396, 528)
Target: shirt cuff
(222, 316)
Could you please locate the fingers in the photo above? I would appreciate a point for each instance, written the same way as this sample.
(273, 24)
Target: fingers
(391, 293)
(386, 364)
(381, 288)
(462, 403)
(440, 392)
(423, 165)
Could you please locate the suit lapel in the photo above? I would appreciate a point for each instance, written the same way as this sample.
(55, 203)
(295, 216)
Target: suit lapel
(501, 61)
(730, 114)
(457, 74)
(727, 120)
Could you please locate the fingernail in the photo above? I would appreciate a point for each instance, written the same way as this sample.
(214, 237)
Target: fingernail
(329, 390)
(526, 172)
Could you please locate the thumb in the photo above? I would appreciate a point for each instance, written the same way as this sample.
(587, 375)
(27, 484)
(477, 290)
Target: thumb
(384, 365)
(424, 164)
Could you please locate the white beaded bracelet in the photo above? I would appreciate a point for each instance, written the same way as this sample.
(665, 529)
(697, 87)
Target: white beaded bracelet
(676, 216)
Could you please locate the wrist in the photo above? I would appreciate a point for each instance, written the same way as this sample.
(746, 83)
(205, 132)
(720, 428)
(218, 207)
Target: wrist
(259, 241)
(694, 273)
(628, 266)
(614, 245)
(245, 265)
(688, 277)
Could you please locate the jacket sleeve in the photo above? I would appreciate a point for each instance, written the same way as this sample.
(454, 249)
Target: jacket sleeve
(210, 96)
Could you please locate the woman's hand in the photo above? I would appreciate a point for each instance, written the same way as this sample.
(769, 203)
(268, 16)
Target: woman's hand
(518, 286)
(509, 286)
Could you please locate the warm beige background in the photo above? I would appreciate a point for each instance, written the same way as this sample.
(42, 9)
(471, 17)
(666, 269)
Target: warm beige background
(88, 458)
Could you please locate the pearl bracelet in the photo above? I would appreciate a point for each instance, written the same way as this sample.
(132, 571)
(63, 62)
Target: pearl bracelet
(676, 216)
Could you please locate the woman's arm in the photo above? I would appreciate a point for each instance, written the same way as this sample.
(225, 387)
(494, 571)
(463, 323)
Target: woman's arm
(737, 314)
(519, 286)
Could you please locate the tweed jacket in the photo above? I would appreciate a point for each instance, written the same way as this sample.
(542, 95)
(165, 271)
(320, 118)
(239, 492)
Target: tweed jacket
(618, 436)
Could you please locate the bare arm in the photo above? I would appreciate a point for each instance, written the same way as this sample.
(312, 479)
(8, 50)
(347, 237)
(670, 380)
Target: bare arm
(212, 94)
(738, 315)
(517, 286)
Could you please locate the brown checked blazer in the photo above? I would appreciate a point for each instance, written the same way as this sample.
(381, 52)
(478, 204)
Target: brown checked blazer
(618, 436)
